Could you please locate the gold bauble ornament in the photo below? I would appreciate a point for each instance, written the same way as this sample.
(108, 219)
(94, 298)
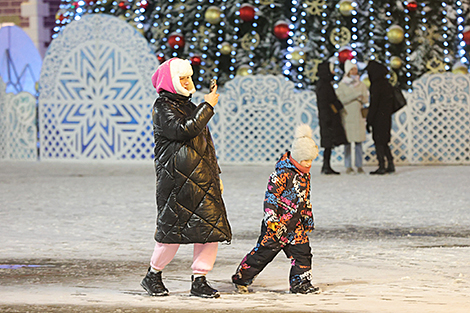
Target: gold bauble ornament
(226, 48)
(395, 34)
(459, 68)
(213, 15)
(345, 7)
(297, 56)
(243, 70)
(395, 62)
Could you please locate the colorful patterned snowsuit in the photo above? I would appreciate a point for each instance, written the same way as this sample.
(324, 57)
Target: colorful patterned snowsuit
(287, 219)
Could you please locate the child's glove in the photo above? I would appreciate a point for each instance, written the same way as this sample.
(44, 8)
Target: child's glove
(280, 231)
(273, 226)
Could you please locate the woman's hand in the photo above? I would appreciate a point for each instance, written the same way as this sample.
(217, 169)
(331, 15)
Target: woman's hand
(212, 98)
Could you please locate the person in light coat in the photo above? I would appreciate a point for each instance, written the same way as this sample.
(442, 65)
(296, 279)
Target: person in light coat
(353, 94)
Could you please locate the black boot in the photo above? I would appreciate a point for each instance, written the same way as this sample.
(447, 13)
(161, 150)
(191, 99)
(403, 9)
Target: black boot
(240, 286)
(326, 168)
(303, 286)
(381, 158)
(329, 171)
(201, 288)
(379, 171)
(388, 154)
(390, 168)
(153, 284)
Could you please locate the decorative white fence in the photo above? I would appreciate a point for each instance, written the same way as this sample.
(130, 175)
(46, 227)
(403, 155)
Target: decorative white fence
(256, 117)
(96, 96)
(438, 123)
(18, 131)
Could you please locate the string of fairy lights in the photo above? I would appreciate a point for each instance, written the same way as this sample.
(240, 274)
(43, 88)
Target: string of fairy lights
(296, 41)
(354, 29)
(460, 28)
(408, 47)
(445, 28)
(371, 32)
(135, 11)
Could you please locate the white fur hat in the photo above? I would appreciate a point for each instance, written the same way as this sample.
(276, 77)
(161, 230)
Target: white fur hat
(348, 66)
(179, 67)
(303, 146)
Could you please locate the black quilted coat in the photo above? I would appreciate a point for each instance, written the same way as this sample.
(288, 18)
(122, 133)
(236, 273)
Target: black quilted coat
(381, 103)
(331, 127)
(190, 208)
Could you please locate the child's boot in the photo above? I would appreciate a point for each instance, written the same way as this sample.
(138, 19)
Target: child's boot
(239, 285)
(153, 284)
(303, 286)
(201, 288)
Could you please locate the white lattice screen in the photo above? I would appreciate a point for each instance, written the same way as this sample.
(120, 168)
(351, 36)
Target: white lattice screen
(96, 95)
(18, 131)
(439, 123)
(256, 116)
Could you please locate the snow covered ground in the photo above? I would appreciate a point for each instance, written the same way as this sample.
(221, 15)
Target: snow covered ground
(77, 237)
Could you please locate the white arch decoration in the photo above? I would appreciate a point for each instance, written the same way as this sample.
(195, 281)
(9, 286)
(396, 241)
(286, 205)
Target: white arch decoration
(95, 93)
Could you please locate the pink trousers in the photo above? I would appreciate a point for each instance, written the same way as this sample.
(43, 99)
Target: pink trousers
(203, 256)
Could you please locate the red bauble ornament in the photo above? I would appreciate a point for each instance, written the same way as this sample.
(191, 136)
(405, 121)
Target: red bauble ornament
(412, 5)
(196, 60)
(176, 41)
(345, 54)
(466, 35)
(281, 30)
(161, 58)
(247, 12)
(122, 5)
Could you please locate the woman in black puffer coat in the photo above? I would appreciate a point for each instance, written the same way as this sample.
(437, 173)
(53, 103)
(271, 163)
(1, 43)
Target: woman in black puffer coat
(190, 208)
(332, 133)
(379, 118)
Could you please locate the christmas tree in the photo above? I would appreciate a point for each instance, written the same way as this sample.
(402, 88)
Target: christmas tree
(227, 38)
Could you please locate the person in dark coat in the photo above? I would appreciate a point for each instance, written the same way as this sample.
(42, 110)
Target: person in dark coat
(332, 133)
(190, 208)
(379, 118)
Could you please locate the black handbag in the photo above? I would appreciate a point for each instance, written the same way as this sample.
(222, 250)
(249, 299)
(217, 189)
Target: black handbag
(399, 100)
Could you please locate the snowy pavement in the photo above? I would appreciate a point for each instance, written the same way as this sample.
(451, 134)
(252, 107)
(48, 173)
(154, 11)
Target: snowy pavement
(77, 237)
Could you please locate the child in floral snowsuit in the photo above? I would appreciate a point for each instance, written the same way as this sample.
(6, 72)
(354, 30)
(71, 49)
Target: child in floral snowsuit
(287, 218)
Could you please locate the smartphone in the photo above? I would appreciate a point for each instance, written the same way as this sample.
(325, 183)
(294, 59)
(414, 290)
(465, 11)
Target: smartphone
(213, 84)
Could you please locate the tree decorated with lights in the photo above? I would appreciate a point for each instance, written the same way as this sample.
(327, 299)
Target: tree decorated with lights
(226, 38)
(223, 40)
